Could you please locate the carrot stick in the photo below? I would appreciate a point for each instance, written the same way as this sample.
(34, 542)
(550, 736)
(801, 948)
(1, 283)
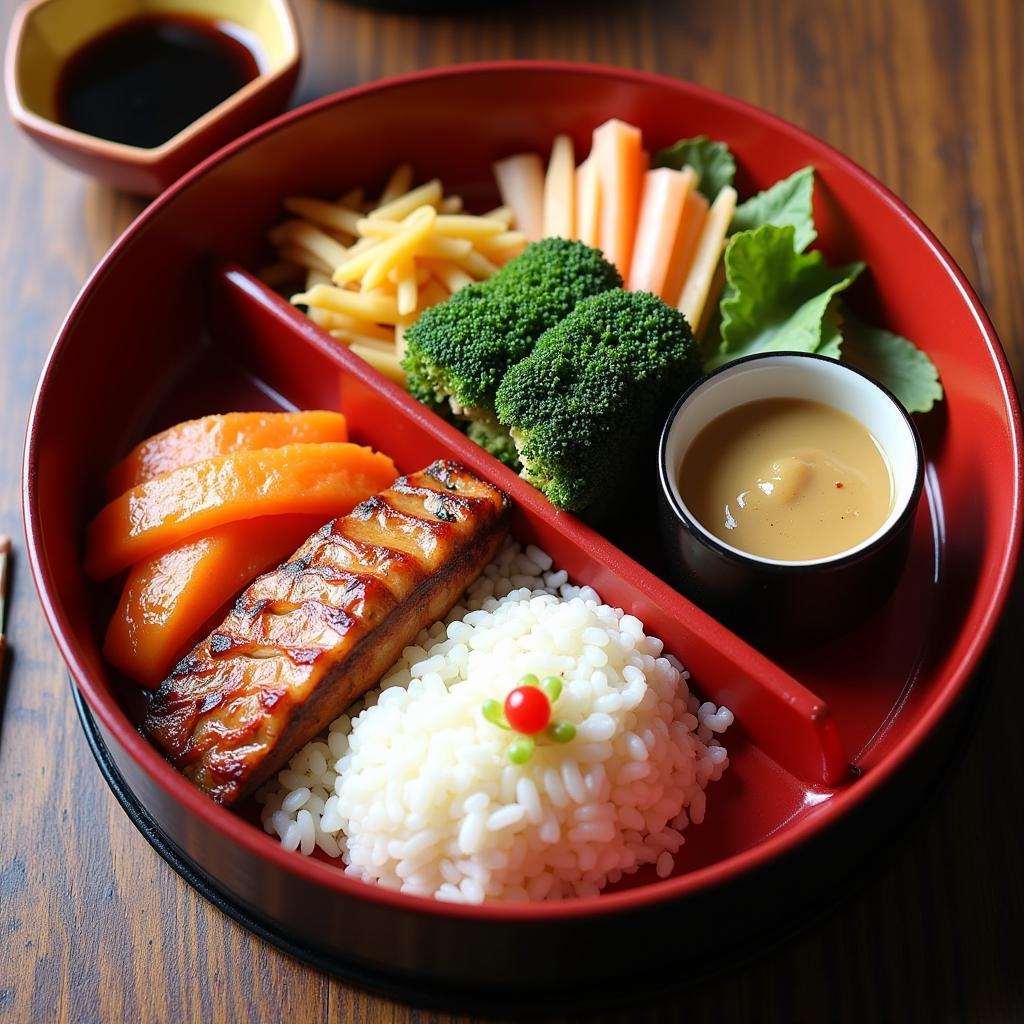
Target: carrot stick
(204, 438)
(326, 479)
(168, 600)
(661, 211)
(619, 156)
(691, 224)
(521, 184)
(560, 190)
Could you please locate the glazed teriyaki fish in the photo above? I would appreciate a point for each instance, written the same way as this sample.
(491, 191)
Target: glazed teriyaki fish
(305, 640)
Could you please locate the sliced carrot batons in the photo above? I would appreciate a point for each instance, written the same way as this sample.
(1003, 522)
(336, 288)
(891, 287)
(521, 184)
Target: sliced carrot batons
(168, 600)
(317, 479)
(661, 213)
(621, 162)
(204, 438)
(695, 212)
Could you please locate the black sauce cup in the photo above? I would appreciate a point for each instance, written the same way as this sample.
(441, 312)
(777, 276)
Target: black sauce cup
(772, 601)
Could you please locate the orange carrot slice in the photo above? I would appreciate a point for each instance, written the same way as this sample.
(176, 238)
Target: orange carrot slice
(560, 190)
(168, 600)
(618, 150)
(695, 212)
(204, 438)
(317, 479)
(520, 181)
(661, 213)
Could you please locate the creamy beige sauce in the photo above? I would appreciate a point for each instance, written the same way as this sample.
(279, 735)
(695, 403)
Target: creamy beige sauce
(787, 478)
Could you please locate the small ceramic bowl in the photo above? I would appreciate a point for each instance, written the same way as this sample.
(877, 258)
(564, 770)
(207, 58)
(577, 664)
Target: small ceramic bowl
(774, 600)
(45, 33)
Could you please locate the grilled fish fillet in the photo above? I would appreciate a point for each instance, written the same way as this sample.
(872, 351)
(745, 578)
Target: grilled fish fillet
(307, 639)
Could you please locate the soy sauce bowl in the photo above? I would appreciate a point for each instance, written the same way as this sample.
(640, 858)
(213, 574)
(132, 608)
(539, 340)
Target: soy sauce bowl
(46, 34)
(772, 601)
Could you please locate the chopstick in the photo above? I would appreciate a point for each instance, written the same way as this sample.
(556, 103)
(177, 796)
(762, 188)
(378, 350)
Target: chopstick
(5, 552)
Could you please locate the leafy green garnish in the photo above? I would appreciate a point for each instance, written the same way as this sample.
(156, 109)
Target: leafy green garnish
(777, 299)
(786, 202)
(898, 363)
(711, 160)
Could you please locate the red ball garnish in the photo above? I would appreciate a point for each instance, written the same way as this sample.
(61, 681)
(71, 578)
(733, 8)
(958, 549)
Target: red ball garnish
(527, 710)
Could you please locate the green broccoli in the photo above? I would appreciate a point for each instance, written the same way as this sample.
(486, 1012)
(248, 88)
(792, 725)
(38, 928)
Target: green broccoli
(459, 351)
(585, 406)
(490, 435)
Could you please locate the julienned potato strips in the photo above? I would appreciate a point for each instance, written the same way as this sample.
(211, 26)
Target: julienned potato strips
(370, 269)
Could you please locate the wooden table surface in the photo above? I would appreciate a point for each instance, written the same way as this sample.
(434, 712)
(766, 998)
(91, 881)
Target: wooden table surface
(926, 94)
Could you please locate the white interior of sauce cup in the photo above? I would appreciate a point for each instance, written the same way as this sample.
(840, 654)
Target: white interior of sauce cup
(789, 375)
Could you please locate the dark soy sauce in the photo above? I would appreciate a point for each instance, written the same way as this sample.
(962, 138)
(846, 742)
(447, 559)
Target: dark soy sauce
(144, 80)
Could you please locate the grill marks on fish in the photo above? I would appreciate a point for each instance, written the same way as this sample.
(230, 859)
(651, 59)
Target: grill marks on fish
(305, 640)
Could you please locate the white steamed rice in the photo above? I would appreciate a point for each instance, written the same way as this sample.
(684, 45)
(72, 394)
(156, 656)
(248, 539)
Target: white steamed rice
(414, 790)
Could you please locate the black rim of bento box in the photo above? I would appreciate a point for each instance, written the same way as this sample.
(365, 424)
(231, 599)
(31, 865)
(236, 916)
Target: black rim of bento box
(422, 991)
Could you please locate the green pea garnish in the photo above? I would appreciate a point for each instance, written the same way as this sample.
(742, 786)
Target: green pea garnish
(562, 732)
(491, 710)
(521, 750)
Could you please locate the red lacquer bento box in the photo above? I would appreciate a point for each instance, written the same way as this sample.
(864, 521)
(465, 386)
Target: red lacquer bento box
(832, 742)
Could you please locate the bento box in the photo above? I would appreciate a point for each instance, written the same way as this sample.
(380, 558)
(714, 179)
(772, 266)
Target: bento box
(833, 742)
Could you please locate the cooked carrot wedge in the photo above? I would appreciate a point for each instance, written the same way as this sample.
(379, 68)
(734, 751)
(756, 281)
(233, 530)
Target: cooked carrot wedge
(168, 600)
(317, 479)
(188, 442)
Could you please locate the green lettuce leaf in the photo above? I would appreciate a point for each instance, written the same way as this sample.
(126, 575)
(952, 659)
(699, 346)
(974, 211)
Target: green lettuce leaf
(777, 299)
(898, 363)
(711, 160)
(831, 332)
(787, 202)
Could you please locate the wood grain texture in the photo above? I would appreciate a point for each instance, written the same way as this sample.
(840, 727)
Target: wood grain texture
(926, 94)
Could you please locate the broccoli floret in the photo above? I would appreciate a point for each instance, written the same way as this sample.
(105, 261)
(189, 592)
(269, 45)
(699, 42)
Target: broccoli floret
(490, 435)
(586, 404)
(459, 351)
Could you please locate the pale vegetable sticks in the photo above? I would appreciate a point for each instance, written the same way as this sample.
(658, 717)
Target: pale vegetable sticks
(426, 195)
(560, 190)
(708, 256)
(588, 204)
(520, 181)
(398, 184)
(328, 215)
(368, 269)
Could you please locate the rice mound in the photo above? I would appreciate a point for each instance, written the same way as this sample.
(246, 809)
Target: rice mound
(414, 788)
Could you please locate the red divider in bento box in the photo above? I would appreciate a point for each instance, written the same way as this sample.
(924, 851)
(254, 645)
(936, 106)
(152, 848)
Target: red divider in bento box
(278, 343)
